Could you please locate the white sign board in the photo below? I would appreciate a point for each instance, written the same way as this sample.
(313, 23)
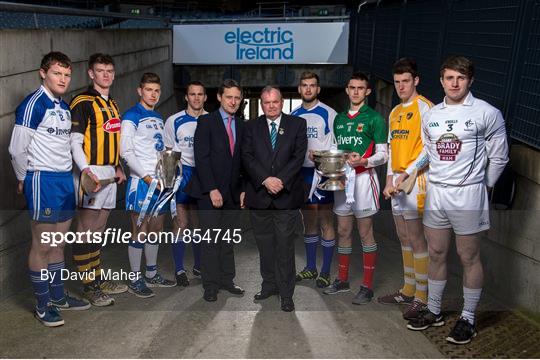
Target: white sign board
(275, 43)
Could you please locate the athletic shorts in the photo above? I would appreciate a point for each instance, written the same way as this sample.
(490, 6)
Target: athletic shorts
(50, 196)
(411, 206)
(327, 197)
(136, 193)
(181, 196)
(104, 198)
(366, 196)
(465, 209)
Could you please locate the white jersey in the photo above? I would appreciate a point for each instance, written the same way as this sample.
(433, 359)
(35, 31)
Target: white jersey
(179, 133)
(460, 139)
(41, 136)
(320, 125)
(141, 140)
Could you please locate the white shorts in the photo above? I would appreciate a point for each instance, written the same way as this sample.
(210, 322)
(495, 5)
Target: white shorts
(366, 196)
(465, 209)
(410, 206)
(104, 198)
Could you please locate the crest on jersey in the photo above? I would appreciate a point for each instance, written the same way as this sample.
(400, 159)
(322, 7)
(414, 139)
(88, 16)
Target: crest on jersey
(409, 115)
(448, 147)
(360, 128)
(47, 212)
(112, 125)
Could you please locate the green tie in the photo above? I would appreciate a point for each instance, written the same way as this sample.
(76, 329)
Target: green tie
(273, 135)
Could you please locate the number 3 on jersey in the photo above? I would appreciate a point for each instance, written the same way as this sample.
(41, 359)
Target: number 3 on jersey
(159, 146)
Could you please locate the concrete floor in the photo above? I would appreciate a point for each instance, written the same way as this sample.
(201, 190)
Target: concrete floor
(178, 323)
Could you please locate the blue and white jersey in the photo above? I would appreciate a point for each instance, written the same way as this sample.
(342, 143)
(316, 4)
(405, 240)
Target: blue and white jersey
(41, 136)
(320, 122)
(141, 140)
(179, 134)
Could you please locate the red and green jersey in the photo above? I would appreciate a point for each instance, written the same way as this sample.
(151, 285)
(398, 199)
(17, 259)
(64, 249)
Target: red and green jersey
(360, 132)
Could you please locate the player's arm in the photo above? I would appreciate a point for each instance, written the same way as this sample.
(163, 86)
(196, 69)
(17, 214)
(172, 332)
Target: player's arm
(496, 147)
(80, 109)
(169, 137)
(381, 147)
(422, 160)
(127, 148)
(331, 119)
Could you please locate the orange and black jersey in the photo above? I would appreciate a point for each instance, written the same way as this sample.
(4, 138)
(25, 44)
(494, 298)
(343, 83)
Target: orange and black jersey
(99, 121)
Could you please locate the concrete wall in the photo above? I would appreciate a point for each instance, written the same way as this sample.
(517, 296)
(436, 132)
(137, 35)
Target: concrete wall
(511, 248)
(134, 51)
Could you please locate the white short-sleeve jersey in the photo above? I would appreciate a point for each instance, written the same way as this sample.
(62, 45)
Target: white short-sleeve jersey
(179, 133)
(460, 139)
(320, 125)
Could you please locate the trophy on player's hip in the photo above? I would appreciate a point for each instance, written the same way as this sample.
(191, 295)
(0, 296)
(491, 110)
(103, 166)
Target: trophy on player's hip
(332, 165)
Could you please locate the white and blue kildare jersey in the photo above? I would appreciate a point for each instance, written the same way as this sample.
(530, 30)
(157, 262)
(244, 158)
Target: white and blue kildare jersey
(141, 140)
(179, 133)
(320, 122)
(41, 136)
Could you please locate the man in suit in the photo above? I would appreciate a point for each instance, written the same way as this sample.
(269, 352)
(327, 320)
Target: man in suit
(217, 186)
(273, 151)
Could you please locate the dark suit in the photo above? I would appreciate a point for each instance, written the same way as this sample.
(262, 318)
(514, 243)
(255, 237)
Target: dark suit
(216, 168)
(275, 217)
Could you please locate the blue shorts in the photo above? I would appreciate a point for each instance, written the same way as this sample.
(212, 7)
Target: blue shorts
(50, 196)
(327, 196)
(182, 197)
(136, 193)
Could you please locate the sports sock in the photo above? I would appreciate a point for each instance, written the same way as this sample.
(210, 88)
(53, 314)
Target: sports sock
(41, 289)
(135, 249)
(435, 293)
(369, 254)
(56, 282)
(344, 259)
(178, 249)
(471, 297)
(408, 288)
(151, 253)
(310, 243)
(328, 253)
(420, 274)
(83, 257)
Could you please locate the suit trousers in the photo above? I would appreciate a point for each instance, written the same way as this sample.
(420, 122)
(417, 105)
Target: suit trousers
(275, 234)
(217, 253)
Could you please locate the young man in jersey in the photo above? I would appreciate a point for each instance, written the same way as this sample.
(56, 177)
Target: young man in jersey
(179, 133)
(405, 140)
(320, 125)
(41, 157)
(362, 131)
(95, 140)
(465, 141)
(141, 141)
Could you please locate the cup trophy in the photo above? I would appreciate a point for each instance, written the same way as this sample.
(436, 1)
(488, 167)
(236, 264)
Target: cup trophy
(166, 168)
(331, 164)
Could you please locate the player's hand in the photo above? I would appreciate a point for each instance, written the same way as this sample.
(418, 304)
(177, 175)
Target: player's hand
(94, 178)
(20, 187)
(401, 178)
(356, 160)
(242, 200)
(389, 191)
(120, 175)
(216, 198)
(148, 180)
(310, 155)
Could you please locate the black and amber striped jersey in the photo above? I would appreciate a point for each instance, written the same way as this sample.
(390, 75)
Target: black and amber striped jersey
(99, 121)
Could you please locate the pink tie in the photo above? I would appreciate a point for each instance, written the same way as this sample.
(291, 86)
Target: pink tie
(230, 134)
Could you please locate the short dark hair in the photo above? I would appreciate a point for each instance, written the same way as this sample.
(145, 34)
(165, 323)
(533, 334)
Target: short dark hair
(359, 76)
(309, 75)
(195, 83)
(460, 64)
(405, 65)
(149, 78)
(229, 83)
(55, 57)
(99, 58)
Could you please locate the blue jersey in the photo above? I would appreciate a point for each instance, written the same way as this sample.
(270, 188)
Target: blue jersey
(142, 140)
(320, 125)
(49, 121)
(179, 134)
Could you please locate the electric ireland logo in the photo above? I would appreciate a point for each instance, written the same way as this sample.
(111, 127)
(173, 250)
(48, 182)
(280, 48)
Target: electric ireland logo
(264, 44)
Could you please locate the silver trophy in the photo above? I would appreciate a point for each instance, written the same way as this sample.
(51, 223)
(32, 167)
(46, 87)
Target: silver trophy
(166, 168)
(331, 164)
